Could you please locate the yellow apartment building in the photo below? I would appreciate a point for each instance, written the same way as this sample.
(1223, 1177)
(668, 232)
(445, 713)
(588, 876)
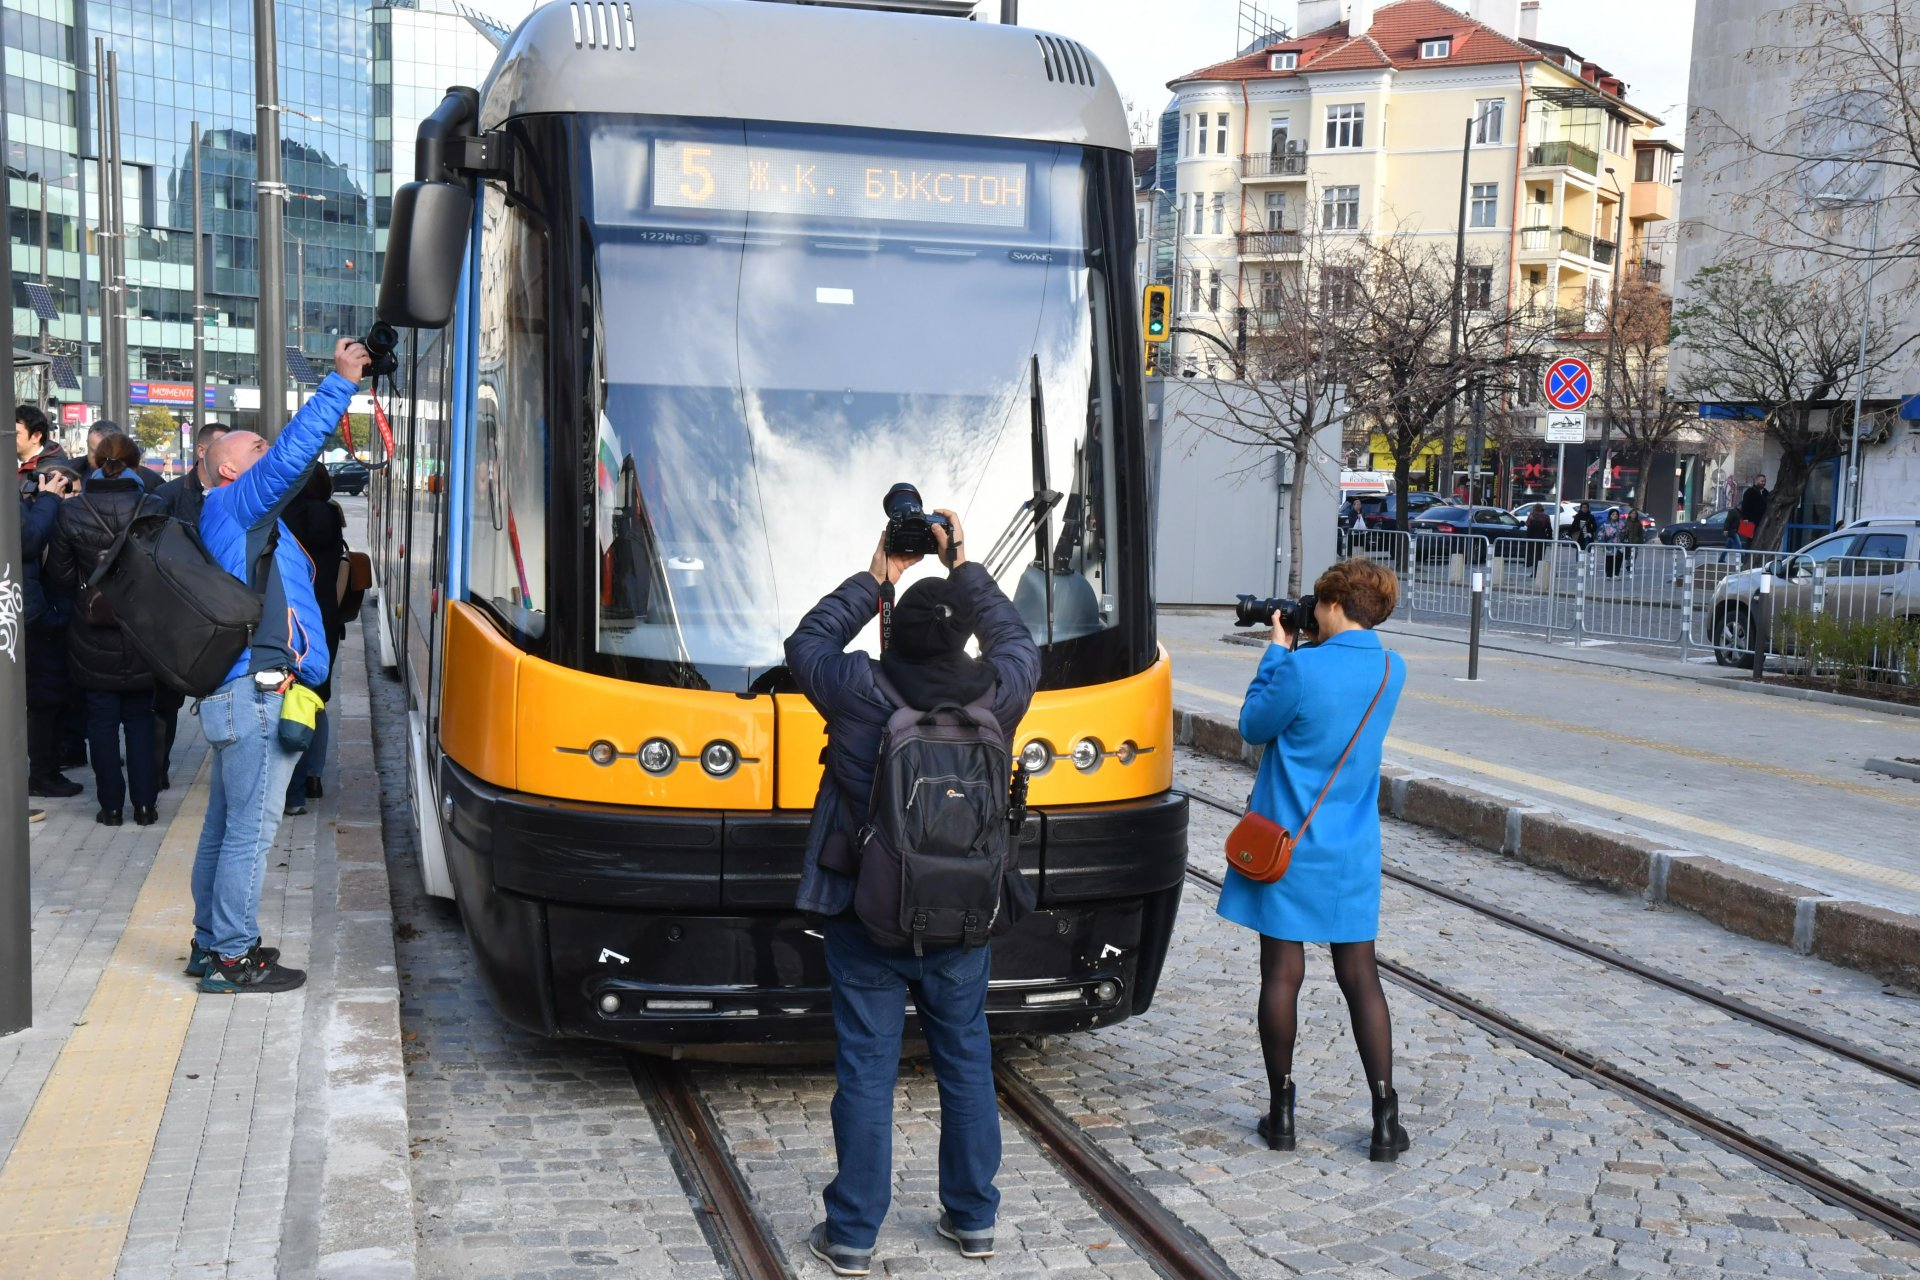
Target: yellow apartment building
(1356, 127)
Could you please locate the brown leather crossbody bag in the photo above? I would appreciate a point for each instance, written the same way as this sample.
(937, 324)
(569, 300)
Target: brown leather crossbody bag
(1260, 848)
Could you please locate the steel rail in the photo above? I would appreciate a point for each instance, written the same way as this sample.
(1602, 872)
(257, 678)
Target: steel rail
(1155, 1232)
(1896, 1219)
(1792, 1028)
(711, 1179)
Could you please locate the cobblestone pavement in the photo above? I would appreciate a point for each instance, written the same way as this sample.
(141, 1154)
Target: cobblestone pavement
(777, 1126)
(533, 1159)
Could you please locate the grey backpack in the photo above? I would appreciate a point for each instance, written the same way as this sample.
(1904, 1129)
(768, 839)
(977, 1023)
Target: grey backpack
(938, 842)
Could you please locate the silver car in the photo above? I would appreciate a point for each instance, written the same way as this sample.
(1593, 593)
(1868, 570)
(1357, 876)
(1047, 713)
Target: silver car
(1871, 570)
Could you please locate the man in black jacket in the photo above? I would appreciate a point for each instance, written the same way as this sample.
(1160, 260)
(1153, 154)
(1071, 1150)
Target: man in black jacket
(927, 664)
(1754, 504)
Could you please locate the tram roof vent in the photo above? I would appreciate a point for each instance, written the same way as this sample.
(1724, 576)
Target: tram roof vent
(603, 24)
(1066, 61)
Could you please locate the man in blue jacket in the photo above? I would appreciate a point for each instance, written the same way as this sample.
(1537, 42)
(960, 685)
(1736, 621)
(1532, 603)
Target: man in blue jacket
(252, 483)
(927, 664)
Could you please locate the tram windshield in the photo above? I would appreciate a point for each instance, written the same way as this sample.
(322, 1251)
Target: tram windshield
(787, 322)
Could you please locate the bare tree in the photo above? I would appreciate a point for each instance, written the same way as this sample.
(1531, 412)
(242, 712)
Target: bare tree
(1286, 373)
(1788, 353)
(1633, 392)
(1850, 124)
(1402, 371)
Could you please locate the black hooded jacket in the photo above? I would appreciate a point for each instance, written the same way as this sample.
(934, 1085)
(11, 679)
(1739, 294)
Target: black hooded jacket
(98, 657)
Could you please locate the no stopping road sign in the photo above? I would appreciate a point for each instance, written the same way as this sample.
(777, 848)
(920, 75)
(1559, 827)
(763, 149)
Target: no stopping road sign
(1568, 383)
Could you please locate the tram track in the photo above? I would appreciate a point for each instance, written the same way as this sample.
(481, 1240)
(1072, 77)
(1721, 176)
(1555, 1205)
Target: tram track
(1898, 1220)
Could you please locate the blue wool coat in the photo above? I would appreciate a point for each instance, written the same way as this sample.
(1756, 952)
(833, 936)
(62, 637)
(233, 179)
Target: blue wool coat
(1302, 707)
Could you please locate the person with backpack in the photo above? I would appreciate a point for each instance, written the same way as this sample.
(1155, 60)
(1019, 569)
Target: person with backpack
(924, 707)
(101, 660)
(182, 498)
(240, 525)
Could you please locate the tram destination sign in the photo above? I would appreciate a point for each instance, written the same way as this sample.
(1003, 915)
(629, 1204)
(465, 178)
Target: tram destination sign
(838, 184)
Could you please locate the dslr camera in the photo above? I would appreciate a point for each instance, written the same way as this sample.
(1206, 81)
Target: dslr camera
(1296, 615)
(381, 342)
(909, 524)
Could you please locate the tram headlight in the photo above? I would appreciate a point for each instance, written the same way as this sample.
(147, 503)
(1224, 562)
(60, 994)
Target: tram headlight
(720, 759)
(1086, 755)
(1037, 756)
(657, 756)
(603, 753)
(1125, 752)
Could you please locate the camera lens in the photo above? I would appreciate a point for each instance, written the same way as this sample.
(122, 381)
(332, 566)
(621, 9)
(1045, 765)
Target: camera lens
(902, 501)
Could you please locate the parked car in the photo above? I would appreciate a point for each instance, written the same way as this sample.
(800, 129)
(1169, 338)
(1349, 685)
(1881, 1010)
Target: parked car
(1563, 520)
(349, 477)
(1872, 571)
(1437, 531)
(1379, 512)
(1710, 530)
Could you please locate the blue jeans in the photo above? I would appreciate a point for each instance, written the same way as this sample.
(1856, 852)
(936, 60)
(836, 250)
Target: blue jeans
(870, 989)
(108, 712)
(312, 763)
(250, 770)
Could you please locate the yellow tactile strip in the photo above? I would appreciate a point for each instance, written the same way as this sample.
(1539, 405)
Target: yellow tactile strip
(67, 1191)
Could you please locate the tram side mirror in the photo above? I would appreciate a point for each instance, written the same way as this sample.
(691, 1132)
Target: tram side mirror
(426, 245)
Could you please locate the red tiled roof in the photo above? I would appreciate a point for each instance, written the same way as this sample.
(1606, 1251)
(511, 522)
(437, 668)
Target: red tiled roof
(1392, 42)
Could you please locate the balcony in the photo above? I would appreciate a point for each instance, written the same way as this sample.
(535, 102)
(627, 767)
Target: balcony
(1274, 167)
(1648, 272)
(1545, 241)
(1651, 202)
(1269, 244)
(1563, 155)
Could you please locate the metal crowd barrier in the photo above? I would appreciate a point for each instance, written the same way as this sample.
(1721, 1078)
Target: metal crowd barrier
(1719, 620)
(1530, 584)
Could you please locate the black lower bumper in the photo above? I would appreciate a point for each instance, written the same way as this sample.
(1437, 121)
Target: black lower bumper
(651, 926)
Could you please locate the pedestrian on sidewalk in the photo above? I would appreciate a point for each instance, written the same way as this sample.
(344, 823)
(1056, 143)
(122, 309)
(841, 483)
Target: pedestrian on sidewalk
(1585, 528)
(1539, 533)
(1632, 534)
(100, 658)
(150, 480)
(928, 666)
(1754, 504)
(1611, 534)
(42, 605)
(239, 522)
(1311, 707)
(182, 497)
(316, 521)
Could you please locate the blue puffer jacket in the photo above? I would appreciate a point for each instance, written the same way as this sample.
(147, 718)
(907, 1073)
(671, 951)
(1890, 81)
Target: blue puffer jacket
(843, 689)
(237, 519)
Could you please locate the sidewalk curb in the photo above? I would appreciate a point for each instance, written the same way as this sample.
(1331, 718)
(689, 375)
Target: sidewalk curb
(365, 1224)
(1851, 934)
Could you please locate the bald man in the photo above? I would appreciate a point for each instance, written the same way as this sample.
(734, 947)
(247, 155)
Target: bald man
(250, 484)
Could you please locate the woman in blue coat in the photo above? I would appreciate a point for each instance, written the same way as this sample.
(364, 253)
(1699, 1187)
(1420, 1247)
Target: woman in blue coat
(1304, 706)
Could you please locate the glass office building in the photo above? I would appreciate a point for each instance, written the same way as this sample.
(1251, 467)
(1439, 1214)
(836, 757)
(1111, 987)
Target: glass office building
(348, 89)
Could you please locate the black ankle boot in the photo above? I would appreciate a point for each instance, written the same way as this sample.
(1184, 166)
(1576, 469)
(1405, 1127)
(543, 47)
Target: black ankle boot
(1389, 1139)
(1277, 1125)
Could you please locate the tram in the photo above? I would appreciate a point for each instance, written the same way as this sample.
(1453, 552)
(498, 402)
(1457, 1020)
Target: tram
(682, 291)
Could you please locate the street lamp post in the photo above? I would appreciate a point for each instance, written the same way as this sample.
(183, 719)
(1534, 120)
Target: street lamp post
(1851, 503)
(1613, 334)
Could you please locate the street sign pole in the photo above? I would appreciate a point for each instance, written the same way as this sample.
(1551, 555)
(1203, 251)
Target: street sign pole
(16, 912)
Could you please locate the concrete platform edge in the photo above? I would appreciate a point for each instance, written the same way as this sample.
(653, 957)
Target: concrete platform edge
(1854, 935)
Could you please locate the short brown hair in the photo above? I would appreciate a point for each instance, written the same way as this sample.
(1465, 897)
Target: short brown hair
(1365, 590)
(115, 454)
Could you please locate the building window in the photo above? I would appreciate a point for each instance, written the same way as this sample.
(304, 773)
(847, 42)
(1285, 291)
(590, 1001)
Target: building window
(1479, 288)
(1199, 214)
(1485, 210)
(1139, 222)
(1284, 61)
(1180, 217)
(1617, 135)
(1276, 211)
(1219, 215)
(1270, 290)
(1279, 131)
(1340, 208)
(1220, 135)
(1338, 289)
(1347, 125)
(1490, 121)
(1193, 288)
(1436, 48)
(1213, 290)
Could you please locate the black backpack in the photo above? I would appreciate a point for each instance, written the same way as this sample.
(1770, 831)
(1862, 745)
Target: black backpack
(936, 853)
(188, 617)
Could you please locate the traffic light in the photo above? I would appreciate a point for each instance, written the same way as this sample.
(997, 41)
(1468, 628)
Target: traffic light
(1155, 307)
(1153, 360)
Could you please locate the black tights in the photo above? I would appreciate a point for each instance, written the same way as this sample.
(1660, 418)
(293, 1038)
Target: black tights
(1282, 967)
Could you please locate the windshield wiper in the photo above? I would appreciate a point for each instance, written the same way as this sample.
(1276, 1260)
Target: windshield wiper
(1035, 516)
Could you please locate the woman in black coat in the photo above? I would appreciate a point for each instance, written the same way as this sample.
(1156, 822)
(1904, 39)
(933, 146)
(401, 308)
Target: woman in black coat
(115, 678)
(318, 526)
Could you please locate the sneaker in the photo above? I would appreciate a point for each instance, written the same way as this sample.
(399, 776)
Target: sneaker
(294, 811)
(842, 1259)
(973, 1244)
(246, 975)
(197, 957)
(36, 815)
(54, 786)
